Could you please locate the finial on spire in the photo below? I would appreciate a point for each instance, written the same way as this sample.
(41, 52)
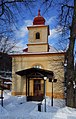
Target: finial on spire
(39, 20)
(39, 12)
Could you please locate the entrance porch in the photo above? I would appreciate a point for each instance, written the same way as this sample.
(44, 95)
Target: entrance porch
(35, 83)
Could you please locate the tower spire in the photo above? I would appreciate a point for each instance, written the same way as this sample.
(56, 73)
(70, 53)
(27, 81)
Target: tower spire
(39, 12)
(39, 20)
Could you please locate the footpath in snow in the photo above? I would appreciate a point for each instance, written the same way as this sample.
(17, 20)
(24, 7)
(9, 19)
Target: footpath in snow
(16, 107)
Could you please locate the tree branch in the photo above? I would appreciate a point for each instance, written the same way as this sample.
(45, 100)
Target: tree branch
(2, 7)
(50, 4)
(5, 2)
(65, 5)
(13, 1)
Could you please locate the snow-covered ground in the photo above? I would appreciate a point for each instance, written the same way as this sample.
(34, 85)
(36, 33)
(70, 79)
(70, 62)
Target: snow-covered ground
(16, 107)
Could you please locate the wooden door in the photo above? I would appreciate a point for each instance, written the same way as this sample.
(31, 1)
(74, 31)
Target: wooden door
(37, 87)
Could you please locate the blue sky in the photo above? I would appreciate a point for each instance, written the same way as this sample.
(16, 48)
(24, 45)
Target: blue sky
(25, 18)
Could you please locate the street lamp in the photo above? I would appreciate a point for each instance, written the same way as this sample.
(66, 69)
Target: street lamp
(65, 85)
(45, 91)
(52, 93)
(52, 80)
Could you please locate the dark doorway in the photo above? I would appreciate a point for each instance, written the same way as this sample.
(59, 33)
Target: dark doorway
(38, 88)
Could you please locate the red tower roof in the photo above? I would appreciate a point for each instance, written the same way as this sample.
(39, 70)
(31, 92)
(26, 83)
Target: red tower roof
(39, 20)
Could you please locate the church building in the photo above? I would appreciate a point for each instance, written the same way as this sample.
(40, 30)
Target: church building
(39, 63)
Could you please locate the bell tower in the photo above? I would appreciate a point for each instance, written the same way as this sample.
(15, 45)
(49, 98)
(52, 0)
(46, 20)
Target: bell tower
(38, 35)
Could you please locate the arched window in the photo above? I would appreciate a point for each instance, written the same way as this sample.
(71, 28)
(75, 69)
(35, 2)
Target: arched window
(37, 35)
(37, 66)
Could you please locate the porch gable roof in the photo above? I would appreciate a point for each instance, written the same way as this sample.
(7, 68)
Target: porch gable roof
(36, 73)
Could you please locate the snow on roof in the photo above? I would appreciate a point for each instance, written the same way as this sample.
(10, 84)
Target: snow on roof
(25, 51)
(7, 82)
(8, 79)
(51, 49)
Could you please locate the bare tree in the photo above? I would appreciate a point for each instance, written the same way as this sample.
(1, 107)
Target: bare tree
(6, 44)
(5, 5)
(9, 11)
(67, 20)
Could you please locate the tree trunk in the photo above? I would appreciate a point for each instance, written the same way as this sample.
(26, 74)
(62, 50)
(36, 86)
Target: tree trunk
(70, 63)
(70, 73)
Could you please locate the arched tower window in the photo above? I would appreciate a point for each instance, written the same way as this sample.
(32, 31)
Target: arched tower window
(37, 35)
(37, 66)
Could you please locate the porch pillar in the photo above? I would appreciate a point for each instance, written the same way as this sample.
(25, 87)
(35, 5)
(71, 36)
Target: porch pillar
(26, 86)
(45, 91)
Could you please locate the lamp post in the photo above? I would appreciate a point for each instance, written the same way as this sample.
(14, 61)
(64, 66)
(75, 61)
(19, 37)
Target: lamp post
(52, 80)
(52, 94)
(45, 91)
(65, 85)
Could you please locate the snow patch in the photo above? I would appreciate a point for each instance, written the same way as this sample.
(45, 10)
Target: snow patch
(16, 107)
